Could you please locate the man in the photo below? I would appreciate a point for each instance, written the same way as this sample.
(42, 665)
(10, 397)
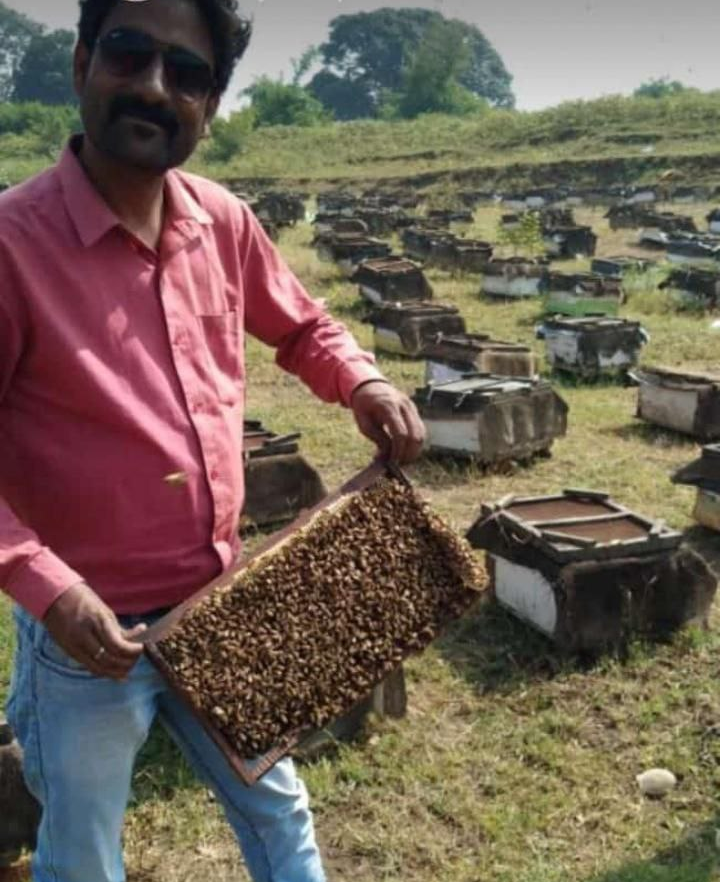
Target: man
(126, 290)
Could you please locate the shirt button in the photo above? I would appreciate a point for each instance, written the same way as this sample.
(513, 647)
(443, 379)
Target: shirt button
(214, 474)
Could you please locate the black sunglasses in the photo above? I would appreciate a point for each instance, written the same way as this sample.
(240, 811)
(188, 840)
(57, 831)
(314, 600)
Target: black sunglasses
(127, 52)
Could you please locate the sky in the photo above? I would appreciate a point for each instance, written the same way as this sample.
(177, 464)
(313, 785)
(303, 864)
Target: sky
(556, 50)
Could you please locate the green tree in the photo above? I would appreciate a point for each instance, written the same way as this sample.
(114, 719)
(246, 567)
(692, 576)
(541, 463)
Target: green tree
(16, 32)
(526, 237)
(432, 82)
(371, 51)
(229, 136)
(661, 88)
(276, 103)
(45, 71)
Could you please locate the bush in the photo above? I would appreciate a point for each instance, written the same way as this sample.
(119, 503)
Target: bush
(229, 136)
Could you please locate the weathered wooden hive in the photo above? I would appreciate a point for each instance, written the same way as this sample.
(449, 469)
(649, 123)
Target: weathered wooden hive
(581, 294)
(392, 279)
(418, 241)
(570, 241)
(693, 250)
(491, 419)
(695, 285)
(339, 223)
(405, 328)
(380, 221)
(704, 474)
(349, 249)
(447, 216)
(637, 217)
(460, 255)
(451, 356)
(19, 812)
(513, 277)
(619, 266)
(291, 640)
(592, 347)
(279, 481)
(713, 220)
(588, 572)
(683, 401)
(283, 209)
(337, 202)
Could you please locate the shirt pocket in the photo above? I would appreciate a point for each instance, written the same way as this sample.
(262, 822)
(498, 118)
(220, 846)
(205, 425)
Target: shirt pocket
(221, 338)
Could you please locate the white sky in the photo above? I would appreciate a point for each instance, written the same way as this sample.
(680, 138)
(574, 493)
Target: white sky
(557, 50)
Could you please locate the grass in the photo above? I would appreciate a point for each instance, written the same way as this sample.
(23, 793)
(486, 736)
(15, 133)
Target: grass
(515, 763)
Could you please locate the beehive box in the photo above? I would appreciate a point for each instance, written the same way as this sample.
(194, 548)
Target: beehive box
(392, 279)
(491, 419)
(347, 250)
(592, 347)
(460, 255)
(693, 285)
(405, 328)
(581, 294)
(686, 402)
(696, 251)
(279, 481)
(419, 240)
(513, 277)
(451, 356)
(619, 266)
(293, 639)
(588, 572)
(704, 474)
(570, 241)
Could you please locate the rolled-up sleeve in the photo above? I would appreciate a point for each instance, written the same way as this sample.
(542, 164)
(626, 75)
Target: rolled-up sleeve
(280, 312)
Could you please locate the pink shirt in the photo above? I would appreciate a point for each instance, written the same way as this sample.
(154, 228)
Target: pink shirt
(120, 366)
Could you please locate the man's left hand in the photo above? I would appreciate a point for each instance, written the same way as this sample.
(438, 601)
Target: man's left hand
(390, 419)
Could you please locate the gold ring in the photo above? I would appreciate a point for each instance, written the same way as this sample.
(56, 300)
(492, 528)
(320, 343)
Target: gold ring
(99, 654)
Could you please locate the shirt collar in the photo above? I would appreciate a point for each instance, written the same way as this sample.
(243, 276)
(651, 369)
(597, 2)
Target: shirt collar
(92, 216)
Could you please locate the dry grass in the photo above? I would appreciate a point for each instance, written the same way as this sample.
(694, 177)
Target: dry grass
(515, 764)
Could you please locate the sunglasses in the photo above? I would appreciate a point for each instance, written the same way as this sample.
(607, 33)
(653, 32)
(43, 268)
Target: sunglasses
(127, 52)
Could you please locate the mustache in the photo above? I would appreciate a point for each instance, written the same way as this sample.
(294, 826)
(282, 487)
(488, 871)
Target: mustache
(126, 105)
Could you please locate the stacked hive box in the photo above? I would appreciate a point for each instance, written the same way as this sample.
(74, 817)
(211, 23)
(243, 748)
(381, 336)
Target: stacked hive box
(588, 572)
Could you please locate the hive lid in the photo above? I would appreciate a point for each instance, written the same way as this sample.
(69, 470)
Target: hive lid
(675, 377)
(703, 472)
(259, 441)
(474, 390)
(472, 344)
(590, 323)
(577, 525)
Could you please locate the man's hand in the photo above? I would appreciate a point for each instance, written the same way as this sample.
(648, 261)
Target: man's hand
(390, 419)
(87, 630)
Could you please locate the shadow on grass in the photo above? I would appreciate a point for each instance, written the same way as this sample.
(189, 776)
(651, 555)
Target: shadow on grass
(161, 769)
(694, 859)
(494, 651)
(649, 433)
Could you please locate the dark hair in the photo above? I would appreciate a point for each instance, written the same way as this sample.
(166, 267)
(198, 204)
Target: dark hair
(230, 32)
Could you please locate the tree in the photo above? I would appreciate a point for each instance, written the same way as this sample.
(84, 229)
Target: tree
(16, 32)
(371, 51)
(276, 103)
(45, 71)
(432, 82)
(342, 96)
(661, 88)
(230, 135)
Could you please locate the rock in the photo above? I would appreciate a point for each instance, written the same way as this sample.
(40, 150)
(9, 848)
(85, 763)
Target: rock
(656, 782)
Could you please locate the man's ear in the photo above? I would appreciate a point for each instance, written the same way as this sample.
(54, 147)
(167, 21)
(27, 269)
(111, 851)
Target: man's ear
(81, 63)
(210, 113)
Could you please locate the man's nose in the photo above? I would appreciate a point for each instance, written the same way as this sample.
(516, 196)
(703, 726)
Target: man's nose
(151, 82)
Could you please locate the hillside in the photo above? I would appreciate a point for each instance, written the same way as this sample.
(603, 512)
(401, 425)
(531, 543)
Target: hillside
(612, 140)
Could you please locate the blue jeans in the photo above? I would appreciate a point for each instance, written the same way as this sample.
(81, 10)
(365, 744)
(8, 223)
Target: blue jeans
(81, 735)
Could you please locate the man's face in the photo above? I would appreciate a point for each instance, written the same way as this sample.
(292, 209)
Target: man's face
(144, 118)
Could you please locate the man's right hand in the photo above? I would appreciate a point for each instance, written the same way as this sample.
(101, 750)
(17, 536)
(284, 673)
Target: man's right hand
(88, 631)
